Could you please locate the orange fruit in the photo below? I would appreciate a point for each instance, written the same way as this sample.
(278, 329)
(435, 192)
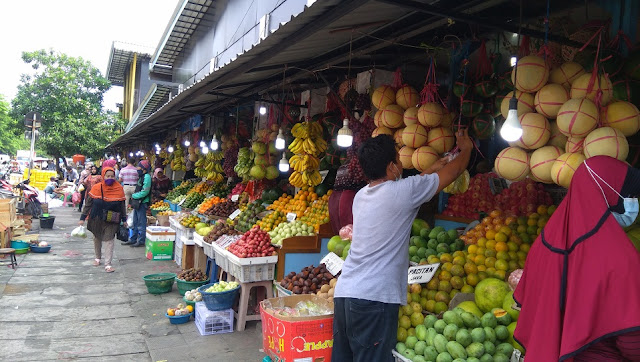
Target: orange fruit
(171, 312)
(495, 213)
(502, 265)
(482, 242)
(501, 237)
(473, 248)
(506, 230)
(490, 262)
(525, 247)
(513, 246)
(489, 253)
(502, 246)
(486, 221)
(503, 255)
(510, 220)
(480, 260)
(500, 274)
(491, 244)
(470, 268)
(473, 280)
(446, 257)
(491, 235)
(532, 222)
(481, 268)
(542, 210)
(190, 308)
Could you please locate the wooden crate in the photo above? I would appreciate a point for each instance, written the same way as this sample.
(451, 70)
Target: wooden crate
(8, 211)
(200, 259)
(188, 252)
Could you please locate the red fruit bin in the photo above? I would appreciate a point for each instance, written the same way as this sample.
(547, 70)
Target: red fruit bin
(287, 339)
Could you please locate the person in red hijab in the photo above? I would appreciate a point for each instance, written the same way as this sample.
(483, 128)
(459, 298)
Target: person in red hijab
(580, 291)
(103, 200)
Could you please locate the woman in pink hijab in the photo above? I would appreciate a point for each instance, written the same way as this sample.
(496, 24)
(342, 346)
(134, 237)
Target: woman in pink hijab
(160, 185)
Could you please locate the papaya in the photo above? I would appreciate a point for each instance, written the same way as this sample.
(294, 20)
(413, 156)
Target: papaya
(440, 342)
(431, 334)
(489, 348)
(505, 348)
(464, 337)
(430, 353)
(439, 326)
(490, 334)
(444, 357)
(502, 333)
(478, 335)
(489, 320)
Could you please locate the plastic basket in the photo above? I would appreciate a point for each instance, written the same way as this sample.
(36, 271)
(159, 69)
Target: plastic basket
(159, 283)
(173, 207)
(189, 302)
(220, 256)
(179, 319)
(219, 301)
(177, 255)
(248, 270)
(47, 222)
(208, 250)
(22, 251)
(185, 286)
(213, 322)
(40, 249)
(17, 244)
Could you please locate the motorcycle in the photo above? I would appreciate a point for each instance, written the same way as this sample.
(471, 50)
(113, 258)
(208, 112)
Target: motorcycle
(29, 195)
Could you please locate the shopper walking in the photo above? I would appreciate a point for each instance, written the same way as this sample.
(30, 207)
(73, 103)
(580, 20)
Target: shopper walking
(81, 188)
(580, 288)
(373, 283)
(161, 185)
(105, 209)
(93, 178)
(140, 200)
(129, 179)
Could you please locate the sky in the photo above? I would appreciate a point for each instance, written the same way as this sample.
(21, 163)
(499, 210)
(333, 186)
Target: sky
(78, 28)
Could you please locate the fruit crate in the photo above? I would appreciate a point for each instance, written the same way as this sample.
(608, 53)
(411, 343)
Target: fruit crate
(281, 291)
(398, 357)
(198, 239)
(185, 234)
(248, 270)
(213, 322)
(208, 250)
(177, 255)
(221, 257)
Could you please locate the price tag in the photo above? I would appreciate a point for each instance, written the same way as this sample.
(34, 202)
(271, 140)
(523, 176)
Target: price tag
(422, 273)
(291, 216)
(333, 263)
(182, 202)
(324, 175)
(235, 214)
(235, 198)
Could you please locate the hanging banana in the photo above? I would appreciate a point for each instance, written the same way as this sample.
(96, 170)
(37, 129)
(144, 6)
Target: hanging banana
(307, 146)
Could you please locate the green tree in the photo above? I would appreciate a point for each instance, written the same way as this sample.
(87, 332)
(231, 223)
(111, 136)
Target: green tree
(68, 92)
(11, 132)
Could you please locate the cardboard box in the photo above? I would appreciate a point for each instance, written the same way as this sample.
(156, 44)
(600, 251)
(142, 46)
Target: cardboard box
(8, 211)
(159, 250)
(296, 339)
(160, 233)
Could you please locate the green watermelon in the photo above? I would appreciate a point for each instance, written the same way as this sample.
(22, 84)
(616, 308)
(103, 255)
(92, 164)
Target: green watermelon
(486, 87)
(611, 66)
(460, 88)
(627, 90)
(632, 65)
(471, 107)
(322, 189)
(483, 126)
(504, 82)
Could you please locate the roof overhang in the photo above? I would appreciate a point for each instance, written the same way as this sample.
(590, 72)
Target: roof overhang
(155, 97)
(120, 58)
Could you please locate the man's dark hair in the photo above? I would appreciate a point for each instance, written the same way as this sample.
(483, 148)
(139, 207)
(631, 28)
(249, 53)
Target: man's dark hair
(68, 168)
(131, 160)
(375, 154)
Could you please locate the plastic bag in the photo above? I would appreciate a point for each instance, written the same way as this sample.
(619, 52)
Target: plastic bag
(79, 232)
(76, 198)
(81, 188)
(130, 219)
(346, 231)
(123, 233)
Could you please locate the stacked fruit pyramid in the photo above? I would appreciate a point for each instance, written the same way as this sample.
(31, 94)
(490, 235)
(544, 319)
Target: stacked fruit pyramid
(307, 146)
(589, 122)
(422, 132)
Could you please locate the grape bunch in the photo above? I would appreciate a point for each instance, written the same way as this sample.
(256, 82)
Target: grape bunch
(230, 160)
(349, 177)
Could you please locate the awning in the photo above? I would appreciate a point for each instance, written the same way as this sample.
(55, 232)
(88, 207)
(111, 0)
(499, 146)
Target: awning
(120, 59)
(155, 97)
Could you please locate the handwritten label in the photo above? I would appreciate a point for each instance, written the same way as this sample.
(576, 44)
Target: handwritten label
(333, 263)
(182, 202)
(235, 198)
(291, 216)
(235, 214)
(422, 273)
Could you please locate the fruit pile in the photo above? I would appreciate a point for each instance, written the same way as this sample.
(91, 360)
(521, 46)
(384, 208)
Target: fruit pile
(230, 160)
(160, 206)
(180, 190)
(218, 230)
(327, 291)
(220, 189)
(181, 309)
(297, 204)
(253, 243)
(289, 229)
(193, 200)
(203, 229)
(269, 222)
(208, 203)
(167, 213)
(309, 281)
(222, 286)
(190, 221)
(209, 166)
(521, 198)
(436, 241)
(222, 209)
(339, 246)
(249, 216)
(306, 146)
(318, 212)
(193, 295)
(193, 275)
(201, 188)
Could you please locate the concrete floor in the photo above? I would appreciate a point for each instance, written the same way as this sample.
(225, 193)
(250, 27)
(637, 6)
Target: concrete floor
(57, 306)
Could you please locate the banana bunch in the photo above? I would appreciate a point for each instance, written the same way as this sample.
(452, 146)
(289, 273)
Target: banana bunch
(304, 162)
(312, 146)
(307, 130)
(177, 163)
(212, 166)
(305, 178)
(245, 162)
(214, 176)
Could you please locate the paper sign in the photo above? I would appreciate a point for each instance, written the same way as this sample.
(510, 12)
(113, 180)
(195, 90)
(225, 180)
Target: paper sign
(333, 263)
(235, 214)
(422, 273)
(235, 198)
(291, 216)
(324, 175)
(182, 202)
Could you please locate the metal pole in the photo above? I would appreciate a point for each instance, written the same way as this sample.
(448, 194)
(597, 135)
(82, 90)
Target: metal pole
(33, 144)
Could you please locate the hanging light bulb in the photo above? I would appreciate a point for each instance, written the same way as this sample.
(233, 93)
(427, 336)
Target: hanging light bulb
(157, 152)
(283, 166)
(130, 154)
(202, 144)
(280, 143)
(157, 146)
(345, 136)
(511, 129)
(214, 143)
(187, 143)
(513, 61)
(263, 110)
(141, 153)
(170, 149)
(205, 150)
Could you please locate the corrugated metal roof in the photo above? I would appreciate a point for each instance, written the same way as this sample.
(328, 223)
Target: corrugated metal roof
(156, 97)
(184, 23)
(120, 58)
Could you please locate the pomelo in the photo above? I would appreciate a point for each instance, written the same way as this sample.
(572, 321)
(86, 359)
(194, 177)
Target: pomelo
(441, 139)
(621, 115)
(541, 162)
(566, 74)
(606, 141)
(397, 136)
(490, 293)
(533, 74)
(471, 307)
(331, 245)
(565, 166)
(512, 163)
(414, 136)
(526, 103)
(392, 116)
(536, 131)
(383, 96)
(574, 145)
(577, 117)
(382, 130)
(406, 154)
(557, 138)
(430, 114)
(407, 97)
(423, 157)
(549, 99)
(410, 116)
(580, 86)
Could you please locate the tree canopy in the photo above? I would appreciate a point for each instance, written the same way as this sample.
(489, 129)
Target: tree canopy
(68, 93)
(11, 133)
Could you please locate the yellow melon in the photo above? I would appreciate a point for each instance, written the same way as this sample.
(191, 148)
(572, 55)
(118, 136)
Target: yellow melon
(441, 139)
(424, 157)
(407, 97)
(606, 141)
(549, 99)
(536, 131)
(406, 154)
(376, 118)
(383, 96)
(414, 136)
(392, 115)
(512, 163)
(621, 115)
(448, 119)
(431, 114)
(557, 138)
(397, 136)
(382, 130)
(525, 103)
(410, 116)
(579, 88)
(574, 145)
(565, 166)
(541, 162)
(566, 73)
(533, 74)
(577, 117)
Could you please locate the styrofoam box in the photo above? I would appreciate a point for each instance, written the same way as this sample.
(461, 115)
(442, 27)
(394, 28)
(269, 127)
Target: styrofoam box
(198, 239)
(187, 241)
(213, 322)
(208, 250)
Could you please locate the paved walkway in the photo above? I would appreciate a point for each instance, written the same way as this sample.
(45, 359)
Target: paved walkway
(57, 306)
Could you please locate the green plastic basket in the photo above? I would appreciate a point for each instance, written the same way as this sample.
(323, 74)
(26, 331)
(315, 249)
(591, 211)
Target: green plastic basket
(185, 286)
(22, 251)
(190, 302)
(159, 283)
